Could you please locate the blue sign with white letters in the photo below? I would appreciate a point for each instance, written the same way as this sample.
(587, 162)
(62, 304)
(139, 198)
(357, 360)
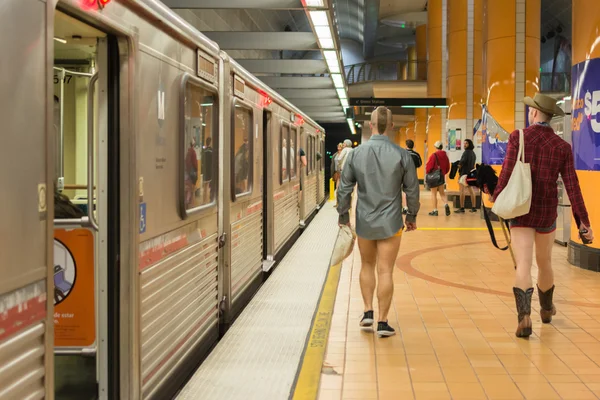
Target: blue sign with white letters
(585, 115)
(142, 217)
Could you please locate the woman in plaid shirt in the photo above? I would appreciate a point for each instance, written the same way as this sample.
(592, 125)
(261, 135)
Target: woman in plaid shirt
(548, 156)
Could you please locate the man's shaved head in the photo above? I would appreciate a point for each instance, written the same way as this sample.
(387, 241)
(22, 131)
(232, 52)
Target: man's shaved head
(381, 119)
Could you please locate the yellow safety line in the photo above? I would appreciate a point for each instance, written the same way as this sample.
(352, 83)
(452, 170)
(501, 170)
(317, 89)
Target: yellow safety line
(456, 229)
(307, 385)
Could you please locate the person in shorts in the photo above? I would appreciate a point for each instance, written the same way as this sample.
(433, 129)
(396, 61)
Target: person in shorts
(381, 170)
(548, 156)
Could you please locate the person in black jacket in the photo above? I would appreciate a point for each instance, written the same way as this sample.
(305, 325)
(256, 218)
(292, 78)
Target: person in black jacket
(416, 157)
(466, 164)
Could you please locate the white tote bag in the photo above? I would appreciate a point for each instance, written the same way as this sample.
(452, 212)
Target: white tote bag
(515, 200)
(343, 245)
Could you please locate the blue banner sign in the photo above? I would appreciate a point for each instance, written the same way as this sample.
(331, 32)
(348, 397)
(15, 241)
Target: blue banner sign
(585, 115)
(494, 140)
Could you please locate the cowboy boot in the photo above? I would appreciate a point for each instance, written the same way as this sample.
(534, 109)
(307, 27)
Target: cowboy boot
(547, 309)
(523, 301)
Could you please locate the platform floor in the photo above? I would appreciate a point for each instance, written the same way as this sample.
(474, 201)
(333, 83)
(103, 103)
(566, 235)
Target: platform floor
(455, 317)
(259, 355)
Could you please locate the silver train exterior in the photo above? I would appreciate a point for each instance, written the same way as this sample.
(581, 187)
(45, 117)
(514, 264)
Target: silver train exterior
(177, 253)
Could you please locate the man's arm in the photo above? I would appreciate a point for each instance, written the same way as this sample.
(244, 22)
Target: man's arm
(344, 191)
(569, 177)
(303, 157)
(411, 188)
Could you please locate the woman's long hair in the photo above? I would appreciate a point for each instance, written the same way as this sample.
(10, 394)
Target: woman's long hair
(470, 143)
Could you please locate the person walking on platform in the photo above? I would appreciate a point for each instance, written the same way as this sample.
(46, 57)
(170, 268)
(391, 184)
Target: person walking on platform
(548, 156)
(382, 170)
(466, 164)
(438, 160)
(410, 145)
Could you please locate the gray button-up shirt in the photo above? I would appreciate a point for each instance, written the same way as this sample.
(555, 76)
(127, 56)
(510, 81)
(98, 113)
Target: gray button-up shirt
(382, 170)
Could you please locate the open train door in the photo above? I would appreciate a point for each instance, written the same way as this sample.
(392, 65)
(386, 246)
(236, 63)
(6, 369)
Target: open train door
(26, 363)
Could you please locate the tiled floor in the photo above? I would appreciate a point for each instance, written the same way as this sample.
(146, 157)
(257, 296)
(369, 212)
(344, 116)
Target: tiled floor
(454, 313)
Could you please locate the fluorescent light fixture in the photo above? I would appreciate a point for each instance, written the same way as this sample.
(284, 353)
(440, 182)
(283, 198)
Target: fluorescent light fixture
(417, 106)
(323, 32)
(330, 55)
(441, 106)
(338, 81)
(319, 18)
(342, 93)
(327, 44)
(315, 3)
(351, 126)
(60, 40)
(334, 66)
(345, 103)
(368, 113)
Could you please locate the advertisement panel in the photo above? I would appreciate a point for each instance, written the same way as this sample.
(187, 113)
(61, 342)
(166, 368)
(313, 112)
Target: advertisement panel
(494, 140)
(585, 111)
(74, 303)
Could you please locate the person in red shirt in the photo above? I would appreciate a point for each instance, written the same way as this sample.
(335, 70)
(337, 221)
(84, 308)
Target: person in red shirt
(440, 160)
(548, 156)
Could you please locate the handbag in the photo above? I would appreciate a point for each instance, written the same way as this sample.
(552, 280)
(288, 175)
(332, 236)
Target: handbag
(435, 177)
(515, 200)
(344, 244)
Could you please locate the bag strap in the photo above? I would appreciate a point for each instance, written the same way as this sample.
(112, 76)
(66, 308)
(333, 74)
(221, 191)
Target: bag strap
(488, 223)
(521, 155)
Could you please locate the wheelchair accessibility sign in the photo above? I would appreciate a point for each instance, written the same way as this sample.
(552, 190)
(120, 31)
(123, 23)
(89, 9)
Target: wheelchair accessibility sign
(142, 217)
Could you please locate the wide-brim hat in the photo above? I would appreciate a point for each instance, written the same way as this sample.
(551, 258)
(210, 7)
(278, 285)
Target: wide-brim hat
(545, 104)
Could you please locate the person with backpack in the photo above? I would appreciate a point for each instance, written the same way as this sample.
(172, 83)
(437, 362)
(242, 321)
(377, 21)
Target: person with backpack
(438, 161)
(466, 165)
(416, 157)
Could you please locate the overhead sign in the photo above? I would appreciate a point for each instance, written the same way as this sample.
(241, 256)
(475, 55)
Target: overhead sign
(74, 303)
(398, 102)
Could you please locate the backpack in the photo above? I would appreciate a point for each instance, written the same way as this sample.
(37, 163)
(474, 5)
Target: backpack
(416, 158)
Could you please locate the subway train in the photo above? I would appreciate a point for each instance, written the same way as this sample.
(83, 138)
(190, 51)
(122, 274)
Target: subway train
(149, 183)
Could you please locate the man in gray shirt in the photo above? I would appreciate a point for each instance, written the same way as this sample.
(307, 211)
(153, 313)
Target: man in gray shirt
(382, 170)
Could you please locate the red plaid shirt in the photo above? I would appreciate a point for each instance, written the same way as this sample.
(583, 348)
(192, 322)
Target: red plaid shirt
(548, 156)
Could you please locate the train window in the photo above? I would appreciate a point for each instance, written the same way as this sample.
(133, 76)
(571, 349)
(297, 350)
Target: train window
(242, 150)
(293, 163)
(284, 141)
(199, 164)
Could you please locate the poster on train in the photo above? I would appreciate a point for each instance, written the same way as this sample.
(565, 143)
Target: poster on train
(585, 115)
(74, 303)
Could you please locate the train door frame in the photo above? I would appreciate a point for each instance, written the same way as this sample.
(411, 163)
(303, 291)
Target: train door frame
(268, 210)
(303, 175)
(116, 246)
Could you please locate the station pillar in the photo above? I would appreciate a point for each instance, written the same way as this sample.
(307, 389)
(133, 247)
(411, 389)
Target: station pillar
(512, 58)
(436, 69)
(585, 110)
(465, 80)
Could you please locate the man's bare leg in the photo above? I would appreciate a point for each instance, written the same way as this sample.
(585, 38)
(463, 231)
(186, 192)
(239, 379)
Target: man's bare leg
(387, 252)
(368, 256)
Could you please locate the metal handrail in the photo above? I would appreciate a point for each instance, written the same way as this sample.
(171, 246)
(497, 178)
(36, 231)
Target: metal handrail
(386, 71)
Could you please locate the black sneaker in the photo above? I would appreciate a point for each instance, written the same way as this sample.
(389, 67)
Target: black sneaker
(384, 330)
(473, 210)
(367, 319)
(447, 207)
(434, 213)
(460, 211)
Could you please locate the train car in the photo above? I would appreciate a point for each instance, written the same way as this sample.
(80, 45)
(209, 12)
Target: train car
(173, 176)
